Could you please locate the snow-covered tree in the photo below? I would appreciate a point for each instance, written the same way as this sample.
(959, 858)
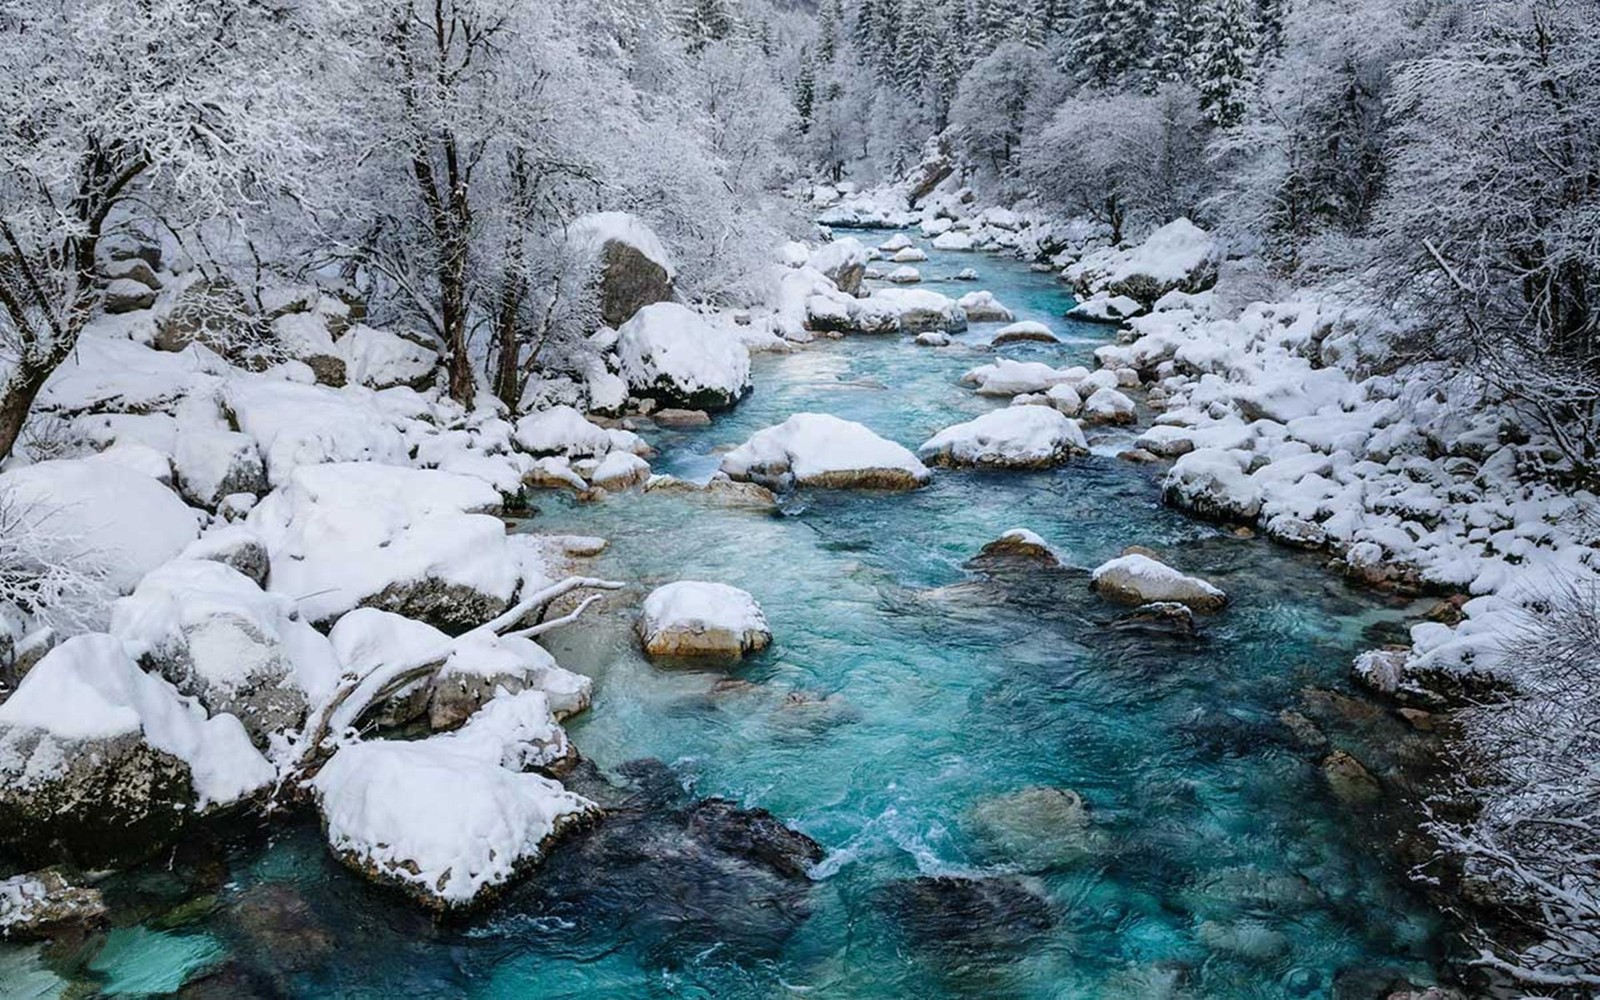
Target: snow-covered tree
(998, 100)
(1108, 41)
(1223, 59)
(187, 109)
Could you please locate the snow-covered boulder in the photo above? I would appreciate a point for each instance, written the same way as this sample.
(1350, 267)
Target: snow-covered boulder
(1010, 378)
(635, 268)
(413, 541)
(983, 307)
(216, 635)
(1212, 482)
(125, 295)
(952, 241)
(1029, 437)
(305, 337)
(817, 449)
(1023, 332)
(1018, 545)
(380, 359)
(480, 666)
(843, 262)
(1135, 578)
(908, 255)
(451, 819)
(99, 510)
(693, 618)
(296, 425)
(909, 310)
(965, 274)
(562, 430)
(1108, 406)
(211, 463)
(43, 904)
(933, 338)
(619, 470)
(905, 275)
(895, 243)
(108, 762)
(1106, 308)
(1179, 255)
(672, 354)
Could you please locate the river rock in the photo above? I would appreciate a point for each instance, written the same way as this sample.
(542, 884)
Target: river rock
(1017, 437)
(1108, 406)
(1037, 827)
(691, 618)
(562, 430)
(1350, 780)
(952, 241)
(1136, 578)
(895, 243)
(1213, 483)
(1028, 331)
(481, 668)
(821, 450)
(43, 904)
(983, 307)
(1179, 255)
(1161, 617)
(1012, 378)
(905, 275)
(1021, 545)
(635, 270)
(907, 310)
(671, 353)
(734, 493)
(843, 262)
(908, 255)
(966, 915)
(933, 338)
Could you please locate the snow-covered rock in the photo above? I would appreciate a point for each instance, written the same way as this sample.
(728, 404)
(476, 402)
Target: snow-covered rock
(694, 618)
(619, 470)
(952, 241)
(1030, 437)
(1179, 255)
(905, 275)
(562, 430)
(481, 665)
(125, 295)
(819, 450)
(1135, 578)
(451, 819)
(983, 307)
(908, 255)
(1212, 482)
(635, 268)
(212, 463)
(99, 511)
(380, 359)
(1025, 331)
(1108, 406)
(1010, 378)
(672, 354)
(843, 262)
(908, 310)
(296, 425)
(1104, 307)
(109, 762)
(42, 904)
(412, 541)
(896, 243)
(933, 338)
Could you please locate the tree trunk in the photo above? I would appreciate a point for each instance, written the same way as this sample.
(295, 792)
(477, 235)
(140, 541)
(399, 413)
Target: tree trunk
(17, 399)
(508, 374)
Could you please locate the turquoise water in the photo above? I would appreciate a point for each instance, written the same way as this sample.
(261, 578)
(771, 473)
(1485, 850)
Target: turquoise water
(902, 692)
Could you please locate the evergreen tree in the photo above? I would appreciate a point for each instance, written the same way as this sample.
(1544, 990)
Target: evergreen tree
(1172, 43)
(829, 22)
(1224, 58)
(1108, 41)
(997, 21)
(705, 21)
(805, 93)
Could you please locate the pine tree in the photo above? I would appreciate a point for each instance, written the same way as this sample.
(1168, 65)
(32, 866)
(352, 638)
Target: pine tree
(805, 93)
(1172, 43)
(829, 21)
(997, 21)
(706, 21)
(1224, 57)
(1108, 41)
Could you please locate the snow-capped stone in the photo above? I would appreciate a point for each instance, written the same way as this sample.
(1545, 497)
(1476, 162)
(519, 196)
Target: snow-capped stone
(1029, 437)
(908, 310)
(133, 269)
(933, 338)
(1027, 330)
(671, 353)
(843, 261)
(125, 295)
(481, 665)
(107, 761)
(1020, 544)
(94, 509)
(1009, 378)
(1064, 398)
(952, 241)
(694, 618)
(1179, 255)
(380, 359)
(296, 425)
(1135, 578)
(1106, 308)
(212, 463)
(216, 635)
(905, 275)
(562, 430)
(895, 243)
(908, 255)
(965, 274)
(42, 904)
(1212, 482)
(412, 541)
(820, 450)
(234, 546)
(140, 458)
(1108, 406)
(636, 270)
(620, 470)
(983, 307)
(305, 337)
(453, 818)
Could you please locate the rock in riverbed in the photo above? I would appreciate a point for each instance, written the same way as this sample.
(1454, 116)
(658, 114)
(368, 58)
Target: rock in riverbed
(817, 449)
(695, 619)
(1135, 578)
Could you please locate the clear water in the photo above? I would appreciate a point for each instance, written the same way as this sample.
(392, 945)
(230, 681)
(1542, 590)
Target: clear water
(902, 691)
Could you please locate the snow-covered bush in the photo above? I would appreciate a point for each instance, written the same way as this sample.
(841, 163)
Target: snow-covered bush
(45, 572)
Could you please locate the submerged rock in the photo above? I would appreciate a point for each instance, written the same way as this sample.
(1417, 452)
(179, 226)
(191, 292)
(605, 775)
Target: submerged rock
(692, 618)
(966, 915)
(1350, 780)
(43, 904)
(1037, 827)
(1165, 617)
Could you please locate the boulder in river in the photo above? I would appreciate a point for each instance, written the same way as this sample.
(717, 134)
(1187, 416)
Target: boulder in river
(692, 618)
(1136, 578)
(966, 916)
(1027, 331)
(674, 355)
(44, 903)
(843, 262)
(1018, 545)
(983, 307)
(1017, 437)
(1349, 780)
(634, 268)
(1037, 827)
(1212, 483)
(821, 450)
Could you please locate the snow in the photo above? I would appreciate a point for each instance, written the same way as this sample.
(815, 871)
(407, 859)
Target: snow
(952, 241)
(909, 255)
(595, 230)
(211, 463)
(896, 243)
(1108, 406)
(838, 255)
(983, 307)
(1009, 378)
(669, 344)
(341, 535)
(296, 425)
(1105, 308)
(1136, 578)
(1026, 328)
(89, 688)
(1015, 437)
(562, 430)
(380, 359)
(1170, 256)
(443, 817)
(695, 618)
(100, 511)
(906, 275)
(817, 449)
(909, 310)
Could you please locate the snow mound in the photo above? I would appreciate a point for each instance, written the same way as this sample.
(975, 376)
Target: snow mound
(952, 241)
(1029, 437)
(1009, 378)
(297, 425)
(562, 430)
(817, 449)
(671, 353)
(1178, 256)
(693, 618)
(1135, 578)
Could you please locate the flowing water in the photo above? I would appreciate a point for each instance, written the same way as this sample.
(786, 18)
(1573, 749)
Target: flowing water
(903, 699)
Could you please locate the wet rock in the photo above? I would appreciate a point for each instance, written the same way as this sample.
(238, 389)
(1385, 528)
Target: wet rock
(681, 418)
(275, 925)
(933, 338)
(1166, 617)
(1420, 720)
(692, 618)
(1252, 940)
(673, 875)
(1028, 331)
(1038, 827)
(1349, 780)
(1018, 545)
(1136, 578)
(1138, 456)
(966, 915)
(1305, 731)
(44, 904)
(732, 492)
(1295, 532)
